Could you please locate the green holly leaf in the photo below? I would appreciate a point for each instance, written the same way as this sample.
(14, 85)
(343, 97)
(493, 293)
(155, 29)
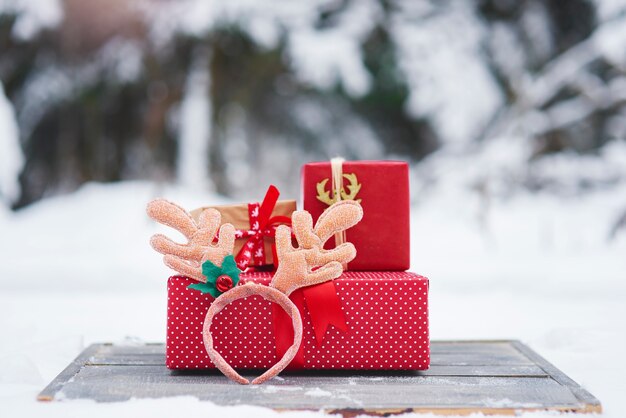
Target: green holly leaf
(229, 268)
(205, 288)
(211, 271)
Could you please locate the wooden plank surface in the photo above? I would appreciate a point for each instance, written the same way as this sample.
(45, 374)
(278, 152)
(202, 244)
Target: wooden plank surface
(493, 377)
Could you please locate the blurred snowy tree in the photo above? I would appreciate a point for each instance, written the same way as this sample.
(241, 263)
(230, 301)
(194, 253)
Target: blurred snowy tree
(109, 89)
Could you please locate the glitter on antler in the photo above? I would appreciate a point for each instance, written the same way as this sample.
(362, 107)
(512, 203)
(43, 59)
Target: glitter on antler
(310, 263)
(187, 259)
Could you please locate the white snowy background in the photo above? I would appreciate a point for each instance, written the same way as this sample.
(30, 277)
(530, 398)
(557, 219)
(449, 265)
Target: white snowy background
(516, 246)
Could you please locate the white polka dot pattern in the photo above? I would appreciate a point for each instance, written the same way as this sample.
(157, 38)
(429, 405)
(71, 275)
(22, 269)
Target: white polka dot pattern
(386, 313)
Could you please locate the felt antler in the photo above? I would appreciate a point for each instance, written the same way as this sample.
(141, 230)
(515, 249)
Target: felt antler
(310, 264)
(187, 258)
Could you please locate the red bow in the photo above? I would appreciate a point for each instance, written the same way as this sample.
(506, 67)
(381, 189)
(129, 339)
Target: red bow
(324, 309)
(262, 225)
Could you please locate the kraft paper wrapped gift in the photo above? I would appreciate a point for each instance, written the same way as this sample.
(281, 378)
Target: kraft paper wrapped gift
(255, 224)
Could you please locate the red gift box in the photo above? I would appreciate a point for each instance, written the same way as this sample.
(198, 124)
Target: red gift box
(382, 237)
(386, 318)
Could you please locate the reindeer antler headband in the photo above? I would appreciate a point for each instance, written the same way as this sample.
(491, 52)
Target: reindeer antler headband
(305, 265)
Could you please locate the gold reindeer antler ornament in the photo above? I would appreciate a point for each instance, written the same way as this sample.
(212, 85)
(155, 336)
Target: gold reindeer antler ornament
(353, 186)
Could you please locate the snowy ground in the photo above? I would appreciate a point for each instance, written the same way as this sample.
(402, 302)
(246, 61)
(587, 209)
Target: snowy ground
(77, 269)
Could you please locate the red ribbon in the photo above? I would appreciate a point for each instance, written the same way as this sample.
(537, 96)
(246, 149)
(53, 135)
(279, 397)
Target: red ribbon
(262, 225)
(324, 309)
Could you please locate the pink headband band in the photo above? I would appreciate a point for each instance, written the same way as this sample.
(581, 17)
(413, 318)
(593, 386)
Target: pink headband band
(241, 292)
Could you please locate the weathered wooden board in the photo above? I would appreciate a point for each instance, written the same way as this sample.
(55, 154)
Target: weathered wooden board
(493, 377)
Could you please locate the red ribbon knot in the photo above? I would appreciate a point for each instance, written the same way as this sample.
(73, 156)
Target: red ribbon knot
(262, 225)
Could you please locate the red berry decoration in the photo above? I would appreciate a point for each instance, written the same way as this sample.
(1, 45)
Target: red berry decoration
(224, 283)
(219, 279)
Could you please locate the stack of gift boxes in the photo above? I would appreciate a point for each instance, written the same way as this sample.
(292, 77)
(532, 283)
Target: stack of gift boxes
(375, 316)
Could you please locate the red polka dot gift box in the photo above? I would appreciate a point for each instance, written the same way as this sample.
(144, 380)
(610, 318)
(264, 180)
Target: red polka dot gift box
(362, 320)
